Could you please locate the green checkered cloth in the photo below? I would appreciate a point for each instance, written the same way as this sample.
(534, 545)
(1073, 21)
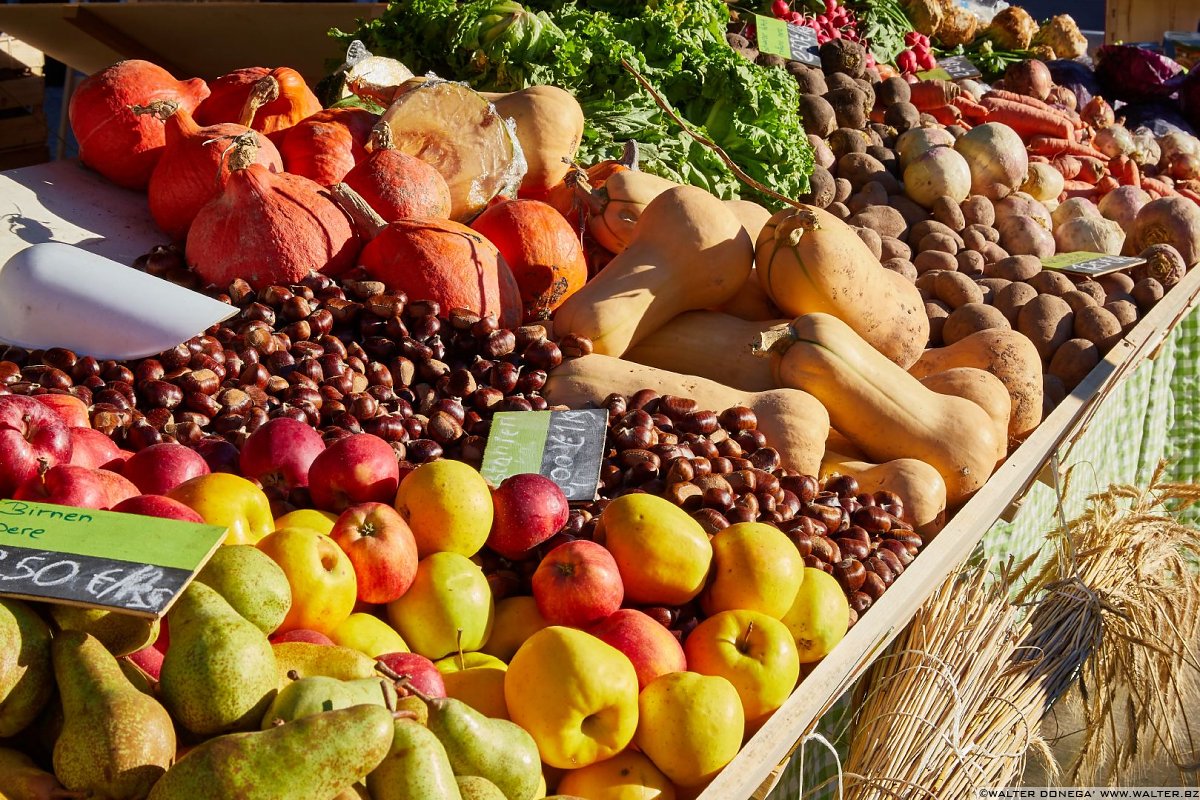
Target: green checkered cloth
(1151, 415)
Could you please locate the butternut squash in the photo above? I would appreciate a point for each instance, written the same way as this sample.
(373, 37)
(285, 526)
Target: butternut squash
(810, 261)
(751, 302)
(885, 411)
(687, 252)
(918, 484)
(549, 127)
(615, 207)
(837, 442)
(1008, 355)
(982, 388)
(689, 342)
(794, 422)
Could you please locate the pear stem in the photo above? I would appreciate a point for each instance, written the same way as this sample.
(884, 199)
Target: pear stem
(462, 664)
(403, 681)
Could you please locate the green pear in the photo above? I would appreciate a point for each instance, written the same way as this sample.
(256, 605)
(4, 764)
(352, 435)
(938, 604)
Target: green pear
(251, 582)
(355, 792)
(296, 660)
(121, 634)
(115, 742)
(25, 683)
(315, 694)
(140, 680)
(415, 766)
(496, 749)
(310, 759)
(473, 787)
(219, 672)
(21, 779)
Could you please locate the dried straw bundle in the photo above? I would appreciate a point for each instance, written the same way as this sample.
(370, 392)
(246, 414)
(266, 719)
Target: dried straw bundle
(1117, 612)
(946, 711)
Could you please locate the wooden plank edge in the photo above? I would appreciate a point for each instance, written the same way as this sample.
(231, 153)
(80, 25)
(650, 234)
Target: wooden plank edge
(829, 679)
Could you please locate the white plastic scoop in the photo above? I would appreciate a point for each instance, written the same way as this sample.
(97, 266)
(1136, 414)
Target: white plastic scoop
(57, 295)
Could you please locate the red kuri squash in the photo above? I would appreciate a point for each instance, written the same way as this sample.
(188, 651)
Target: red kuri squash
(268, 100)
(327, 145)
(113, 140)
(398, 185)
(269, 227)
(542, 250)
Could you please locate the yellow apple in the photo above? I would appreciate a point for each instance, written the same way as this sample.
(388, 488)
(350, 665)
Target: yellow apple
(368, 634)
(477, 679)
(576, 695)
(319, 521)
(663, 554)
(448, 505)
(625, 776)
(448, 608)
(754, 651)
(690, 726)
(517, 618)
(319, 574)
(755, 567)
(819, 616)
(225, 499)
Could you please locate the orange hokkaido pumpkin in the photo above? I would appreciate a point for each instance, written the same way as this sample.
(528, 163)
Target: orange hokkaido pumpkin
(397, 185)
(327, 145)
(541, 249)
(268, 100)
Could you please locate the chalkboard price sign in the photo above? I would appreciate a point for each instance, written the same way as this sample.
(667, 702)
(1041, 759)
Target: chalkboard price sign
(1090, 264)
(565, 446)
(959, 67)
(797, 42)
(100, 559)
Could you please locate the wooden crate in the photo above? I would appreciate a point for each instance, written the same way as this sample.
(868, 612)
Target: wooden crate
(1145, 21)
(759, 766)
(23, 136)
(22, 93)
(16, 55)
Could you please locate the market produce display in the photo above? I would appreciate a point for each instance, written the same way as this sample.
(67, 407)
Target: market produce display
(799, 392)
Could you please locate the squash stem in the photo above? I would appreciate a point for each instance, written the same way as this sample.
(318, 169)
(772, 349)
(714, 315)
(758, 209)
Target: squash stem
(366, 219)
(265, 90)
(161, 109)
(795, 225)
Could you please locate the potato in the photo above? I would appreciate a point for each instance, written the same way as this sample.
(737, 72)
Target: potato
(935, 259)
(822, 155)
(816, 115)
(925, 283)
(970, 262)
(911, 211)
(937, 312)
(992, 253)
(1125, 311)
(1047, 321)
(839, 80)
(973, 239)
(884, 155)
(930, 226)
(842, 190)
(860, 169)
(1073, 360)
(839, 210)
(866, 88)
(1012, 298)
(1115, 283)
(1099, 326)
(873, 194)
(1095, 290)
(894, 248)
(992, 285)
(884, 220)
(870, 239)
(821, 188)
(903, 266)
(811, 81)
(1015, 268)
(937, 241)
(1023, 235)
(1051, 282)
(1078, 300)
(955, 289)
(850, 106)
(1053, 393)
(969, 318)
(847, 140)
(978, 210)
(1147, 292)
(988, 233)
(947, 212)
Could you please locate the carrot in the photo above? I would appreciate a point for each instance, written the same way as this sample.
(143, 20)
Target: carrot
(1078, 186)
(1033, 102)
(945, 115)
(1028, 122)
(1106, 184)
(1191, 195)
(1154, 185)
(1091, 169)
(1055, 146)
(931, 94)
(1069, 166)
(1126, 171)
(1039, 160)
(877, 113)
(971, 110)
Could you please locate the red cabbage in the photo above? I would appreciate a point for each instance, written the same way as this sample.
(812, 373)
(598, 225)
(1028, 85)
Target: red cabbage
(1134, 73)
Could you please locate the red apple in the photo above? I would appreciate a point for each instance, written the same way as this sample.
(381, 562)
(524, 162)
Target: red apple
(280, 452)
(381, 548)
(361, 468)
(301, 635)
(32, 438)
(219, 453)
(149, 659)
(159, 468)
(577, 583)
(155, 505)
(68, 485)
(652, 648)
(422, 673)
(92, 449)
(529, 509)
(118, 462)
(70, 409)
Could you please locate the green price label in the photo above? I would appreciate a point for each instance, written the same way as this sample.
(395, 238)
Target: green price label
(565, 446)
(779, 38)
(1084, 263)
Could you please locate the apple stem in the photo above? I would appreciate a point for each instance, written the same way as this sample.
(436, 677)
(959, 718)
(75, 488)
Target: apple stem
(293, 675)
(462, 664)
(746, 637)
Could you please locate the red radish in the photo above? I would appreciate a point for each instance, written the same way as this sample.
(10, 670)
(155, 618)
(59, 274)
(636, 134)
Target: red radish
(780, 8)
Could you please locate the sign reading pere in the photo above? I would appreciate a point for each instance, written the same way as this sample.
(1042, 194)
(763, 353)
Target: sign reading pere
(565, 446)
(100, 559)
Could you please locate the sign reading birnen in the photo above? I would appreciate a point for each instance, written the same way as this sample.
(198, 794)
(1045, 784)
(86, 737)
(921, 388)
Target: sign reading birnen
(565, 446)
(100, 559)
